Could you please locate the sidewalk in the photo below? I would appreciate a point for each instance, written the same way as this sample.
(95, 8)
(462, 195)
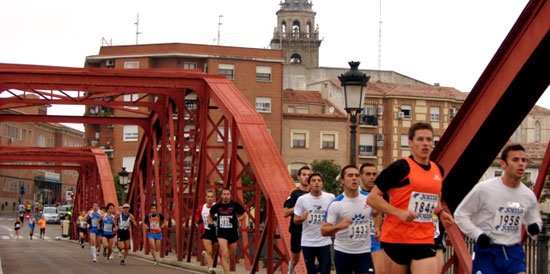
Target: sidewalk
(172, 260)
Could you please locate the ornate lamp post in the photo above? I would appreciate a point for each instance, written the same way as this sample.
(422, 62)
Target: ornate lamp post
(123, 181)
(353, 82)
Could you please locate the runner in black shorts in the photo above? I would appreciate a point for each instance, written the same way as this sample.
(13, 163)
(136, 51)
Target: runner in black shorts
(294, 229)
(229, 213)
(123, 221)
(209, 238)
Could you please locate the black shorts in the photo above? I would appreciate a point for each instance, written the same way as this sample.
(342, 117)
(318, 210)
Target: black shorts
(42, 230)
(109, 236)
(230, 236)
(210, 234)
(123, 235)
(83, 230)
(295, 242)
(403, 254)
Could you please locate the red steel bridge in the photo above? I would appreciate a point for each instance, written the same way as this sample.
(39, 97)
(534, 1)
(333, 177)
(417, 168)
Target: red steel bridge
(178, 156)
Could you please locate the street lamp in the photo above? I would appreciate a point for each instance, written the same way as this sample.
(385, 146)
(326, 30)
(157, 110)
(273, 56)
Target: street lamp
(123, 181)
(353, 82)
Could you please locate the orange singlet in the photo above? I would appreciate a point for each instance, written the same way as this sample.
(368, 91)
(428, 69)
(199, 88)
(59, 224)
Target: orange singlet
(427, 185)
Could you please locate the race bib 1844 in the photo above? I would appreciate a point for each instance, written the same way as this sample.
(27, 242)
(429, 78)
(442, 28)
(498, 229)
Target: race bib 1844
(424, 205)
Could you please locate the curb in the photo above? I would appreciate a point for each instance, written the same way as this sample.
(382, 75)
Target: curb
(1, 266)
(171, 262)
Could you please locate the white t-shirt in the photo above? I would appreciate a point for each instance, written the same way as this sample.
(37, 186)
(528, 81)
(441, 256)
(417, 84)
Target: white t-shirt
(356, 238)
(205, 211)
(497, 210)
(316, 208)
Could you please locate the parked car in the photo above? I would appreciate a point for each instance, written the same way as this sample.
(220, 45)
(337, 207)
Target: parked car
(51, 214)
(63, 210)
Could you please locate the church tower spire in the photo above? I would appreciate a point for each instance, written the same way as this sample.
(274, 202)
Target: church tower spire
(296, 33)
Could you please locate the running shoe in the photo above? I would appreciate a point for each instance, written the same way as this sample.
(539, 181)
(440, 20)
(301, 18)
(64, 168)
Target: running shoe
(212, 271)
(94, 260)
(155, 263)
(122, 262)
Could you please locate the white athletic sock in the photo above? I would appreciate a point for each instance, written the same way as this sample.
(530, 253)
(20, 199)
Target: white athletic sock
(92, 248)
(291, 268)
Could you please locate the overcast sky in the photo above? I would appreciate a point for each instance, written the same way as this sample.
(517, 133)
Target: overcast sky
(449, 42)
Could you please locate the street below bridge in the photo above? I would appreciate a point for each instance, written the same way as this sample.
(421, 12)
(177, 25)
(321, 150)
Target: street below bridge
(61, 256)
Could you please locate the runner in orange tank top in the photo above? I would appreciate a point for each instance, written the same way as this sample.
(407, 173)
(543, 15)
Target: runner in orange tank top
(413, 186)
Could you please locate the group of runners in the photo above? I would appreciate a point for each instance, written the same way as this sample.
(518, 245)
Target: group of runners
(107, 227)
(20, 220)
(393, 222)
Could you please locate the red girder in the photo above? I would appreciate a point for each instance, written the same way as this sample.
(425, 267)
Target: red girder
(504, 94)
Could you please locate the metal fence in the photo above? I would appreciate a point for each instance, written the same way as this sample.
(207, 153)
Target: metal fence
(536, 254)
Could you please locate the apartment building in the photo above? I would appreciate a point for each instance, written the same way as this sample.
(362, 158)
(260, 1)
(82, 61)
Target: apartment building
(257, 73)
(39, 185)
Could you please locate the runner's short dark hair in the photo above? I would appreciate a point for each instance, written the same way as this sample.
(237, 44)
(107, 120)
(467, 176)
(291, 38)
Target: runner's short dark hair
(226, 188)
(419, 126)
(109, 205)
(508, 148)
(314, 174)
(303, 168)
(364, 165)
(343, 172)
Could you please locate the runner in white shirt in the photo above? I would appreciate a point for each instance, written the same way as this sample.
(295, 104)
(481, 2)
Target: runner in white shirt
(349, 218)
(209, 238)
(493, 213)
(310, 210)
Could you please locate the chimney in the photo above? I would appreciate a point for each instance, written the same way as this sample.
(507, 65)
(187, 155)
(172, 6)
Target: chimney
(436, 84)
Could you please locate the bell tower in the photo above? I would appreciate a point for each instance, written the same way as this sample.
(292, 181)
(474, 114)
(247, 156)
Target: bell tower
(296, 33)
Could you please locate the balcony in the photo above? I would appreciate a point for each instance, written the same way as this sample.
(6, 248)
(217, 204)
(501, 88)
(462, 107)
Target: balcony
(368, 120)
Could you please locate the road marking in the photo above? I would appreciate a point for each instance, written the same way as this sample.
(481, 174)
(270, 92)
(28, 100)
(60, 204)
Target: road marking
(5, 237)
(7, 228)
(166, 265)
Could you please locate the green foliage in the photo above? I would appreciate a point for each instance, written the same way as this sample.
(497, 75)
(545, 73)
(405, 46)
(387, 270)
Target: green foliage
(330, 171)
(119, 189)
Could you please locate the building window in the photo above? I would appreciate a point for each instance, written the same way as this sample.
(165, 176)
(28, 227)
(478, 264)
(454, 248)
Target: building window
(24, 135)
(434, 114)
(302, 110)
(130, 133)
(328, 140)
(436, 140)
(128, 163)
(290, 109)
(50, 142)
(131, 65)
(220, 137)
(299, 138)
(227, 70)
(498, 173)
(368, 110)
(366, 144)
(189, 65)
(131, 98)
(537, 131)
(263, 74)
(41, 141)
(407, 111)
(263, 104)
(405, 141)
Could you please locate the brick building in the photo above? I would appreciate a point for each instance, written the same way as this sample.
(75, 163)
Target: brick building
(313, 129)
(257, 73)
(389, 111)
(40, 185)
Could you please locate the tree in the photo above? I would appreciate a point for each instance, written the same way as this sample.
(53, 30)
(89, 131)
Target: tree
(329, 170)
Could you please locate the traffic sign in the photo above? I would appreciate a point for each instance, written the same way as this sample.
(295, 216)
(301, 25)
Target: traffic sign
(22, 190)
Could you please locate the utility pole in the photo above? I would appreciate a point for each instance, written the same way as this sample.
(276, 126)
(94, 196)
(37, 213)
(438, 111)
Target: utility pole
(219, 27)
(137, 28)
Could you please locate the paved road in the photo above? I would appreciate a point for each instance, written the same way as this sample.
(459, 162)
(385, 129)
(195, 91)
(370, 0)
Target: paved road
(54, 256)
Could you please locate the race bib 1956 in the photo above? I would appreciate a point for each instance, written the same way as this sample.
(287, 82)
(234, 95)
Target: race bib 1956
(424, 205)
(508, 218)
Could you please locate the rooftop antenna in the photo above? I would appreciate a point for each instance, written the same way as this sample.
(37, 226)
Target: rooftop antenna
(219, 27)
(104, 42)
(137, 28)
(380, 37)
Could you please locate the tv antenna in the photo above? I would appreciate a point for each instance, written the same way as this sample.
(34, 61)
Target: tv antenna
(219, 27)
(137, 28)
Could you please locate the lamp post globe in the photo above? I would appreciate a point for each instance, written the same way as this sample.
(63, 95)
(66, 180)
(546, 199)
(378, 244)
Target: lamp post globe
(123, 176)
(354, 82)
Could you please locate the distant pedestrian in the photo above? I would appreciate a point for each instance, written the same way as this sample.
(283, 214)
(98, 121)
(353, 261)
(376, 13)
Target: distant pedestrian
(42, 224)
(31, 226)
(17, 226)
(21, 216)
(65, 227)
(82, 228)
